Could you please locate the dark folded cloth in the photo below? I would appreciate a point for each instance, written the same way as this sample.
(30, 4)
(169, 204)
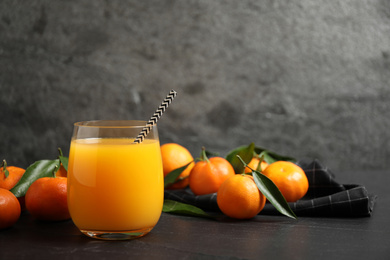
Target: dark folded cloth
(325, 197)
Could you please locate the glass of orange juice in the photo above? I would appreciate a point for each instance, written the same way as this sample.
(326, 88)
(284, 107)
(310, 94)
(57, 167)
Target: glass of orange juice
(115, 186)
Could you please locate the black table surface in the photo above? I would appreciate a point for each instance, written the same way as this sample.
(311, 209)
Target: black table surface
(180, 237)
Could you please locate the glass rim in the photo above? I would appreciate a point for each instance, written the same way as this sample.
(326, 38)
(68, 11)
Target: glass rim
(111, 123)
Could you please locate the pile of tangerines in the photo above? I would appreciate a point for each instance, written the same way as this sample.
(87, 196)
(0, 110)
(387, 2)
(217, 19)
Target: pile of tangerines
(237, 193)
(45, 199)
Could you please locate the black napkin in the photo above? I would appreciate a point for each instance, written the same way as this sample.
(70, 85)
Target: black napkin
(325, 197)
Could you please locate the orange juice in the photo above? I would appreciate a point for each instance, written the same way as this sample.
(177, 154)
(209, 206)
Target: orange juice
(115, 185)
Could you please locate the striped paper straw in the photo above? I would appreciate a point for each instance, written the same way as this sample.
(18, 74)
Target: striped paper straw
(156, 116)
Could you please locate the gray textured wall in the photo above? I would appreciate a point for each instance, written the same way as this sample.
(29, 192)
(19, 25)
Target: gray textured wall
(302, 78)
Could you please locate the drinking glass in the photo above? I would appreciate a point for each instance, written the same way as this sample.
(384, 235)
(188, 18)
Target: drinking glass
(115, 186)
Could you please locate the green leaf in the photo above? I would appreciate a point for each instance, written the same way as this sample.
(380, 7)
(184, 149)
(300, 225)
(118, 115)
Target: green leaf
(211, 154)
(175, 207)
(64, 162)
(39, 169)
(171, 177)
(271, 157)
(273, 194)
(245, 152)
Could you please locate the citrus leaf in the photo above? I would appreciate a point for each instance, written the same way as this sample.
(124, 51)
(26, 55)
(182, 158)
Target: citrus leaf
(211, 154)
(273, 194)
(171, 177)
(175, 207)
(64, 161)
(271, 157)
(245, 152)
(39, 169)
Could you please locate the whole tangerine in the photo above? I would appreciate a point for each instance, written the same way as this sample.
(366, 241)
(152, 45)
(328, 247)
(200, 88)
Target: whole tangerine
(15, 174)
(175, 156)
(208, 174)
(238, 197)
(9, 209)
(46, 199)
(290, 179)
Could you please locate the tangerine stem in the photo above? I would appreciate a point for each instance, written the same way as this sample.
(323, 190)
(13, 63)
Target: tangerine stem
(4, 165)
(203, 155)
(55, 171)
(60, 152)
(261, 159)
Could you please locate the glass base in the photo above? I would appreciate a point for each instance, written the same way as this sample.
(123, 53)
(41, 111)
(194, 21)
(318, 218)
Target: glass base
(117, 235)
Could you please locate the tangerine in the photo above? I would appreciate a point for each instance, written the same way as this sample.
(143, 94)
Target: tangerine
(61, 172)
(254, 163)
(9, 209)
(175, 156)
(238, 197)
(208, 174)
(46, 199)
(289, 178)
(15, 174)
